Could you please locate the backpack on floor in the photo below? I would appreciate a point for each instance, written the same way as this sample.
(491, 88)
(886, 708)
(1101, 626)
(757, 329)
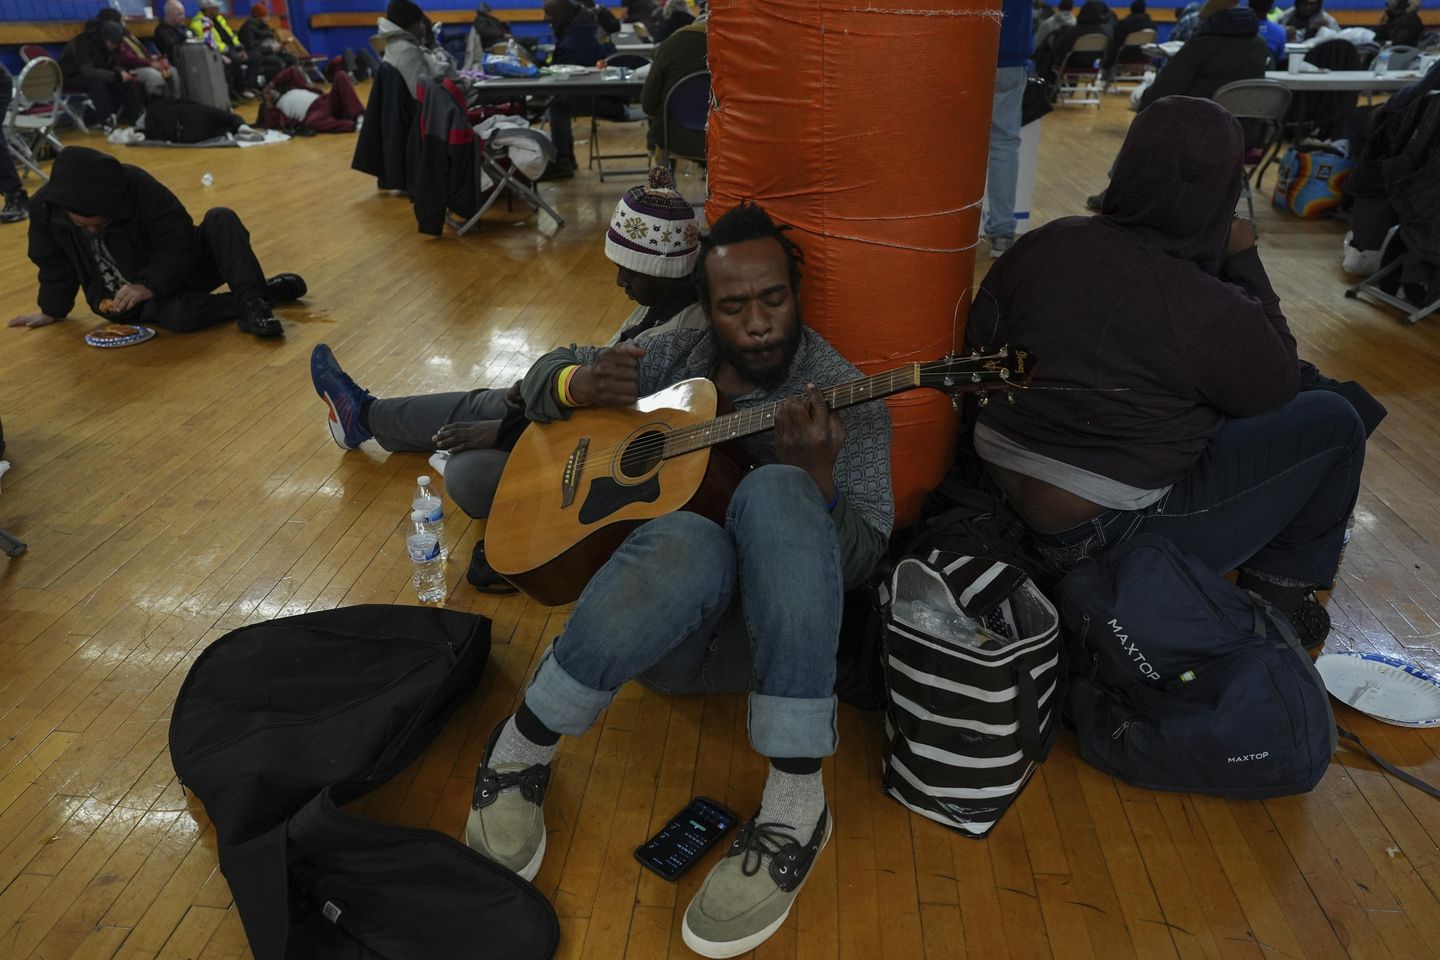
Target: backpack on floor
(1311, 183)
(972, 661)
(1182, 681)
(280, 724)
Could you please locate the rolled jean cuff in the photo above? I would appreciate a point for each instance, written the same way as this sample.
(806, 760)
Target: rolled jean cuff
(563, 703)
(792, 726)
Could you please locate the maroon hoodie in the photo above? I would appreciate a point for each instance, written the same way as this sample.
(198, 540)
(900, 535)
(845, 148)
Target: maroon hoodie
(1152, 336)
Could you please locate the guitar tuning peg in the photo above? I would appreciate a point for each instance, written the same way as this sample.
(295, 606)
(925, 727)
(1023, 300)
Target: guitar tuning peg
(955, 402)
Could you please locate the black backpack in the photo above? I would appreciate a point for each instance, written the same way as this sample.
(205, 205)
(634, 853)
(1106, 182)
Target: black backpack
(1181, 681)
(280, 724)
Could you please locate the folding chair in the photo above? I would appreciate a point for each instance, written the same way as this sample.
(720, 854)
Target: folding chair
(506, 180)
(74, 104)
(1402, 57)
(1130, 72)
(1383, 285)
(1078, 71)
(37, 105)
(633, 114)
(688, 101)
(1264, 103)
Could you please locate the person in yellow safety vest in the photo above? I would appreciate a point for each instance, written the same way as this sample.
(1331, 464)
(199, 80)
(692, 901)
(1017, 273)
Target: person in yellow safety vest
(210, 26)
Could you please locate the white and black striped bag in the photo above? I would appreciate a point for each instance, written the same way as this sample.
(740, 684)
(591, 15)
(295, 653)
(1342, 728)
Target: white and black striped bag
(972, 667)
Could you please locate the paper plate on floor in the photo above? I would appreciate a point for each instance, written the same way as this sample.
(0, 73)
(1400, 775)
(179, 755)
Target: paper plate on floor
(1382, 687)
(118, 335)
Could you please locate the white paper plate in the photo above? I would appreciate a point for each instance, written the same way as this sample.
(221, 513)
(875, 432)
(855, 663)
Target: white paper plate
(1383, 687)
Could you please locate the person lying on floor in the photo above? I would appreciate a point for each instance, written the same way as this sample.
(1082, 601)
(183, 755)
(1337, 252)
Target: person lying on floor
(290, 102)
(653, 238)
(115, 233)
(666, 609)
(1172, 409)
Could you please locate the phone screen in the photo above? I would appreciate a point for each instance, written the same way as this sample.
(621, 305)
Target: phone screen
(689, 834)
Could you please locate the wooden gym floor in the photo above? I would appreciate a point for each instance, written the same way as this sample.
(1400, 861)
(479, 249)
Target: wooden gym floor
(178, 490)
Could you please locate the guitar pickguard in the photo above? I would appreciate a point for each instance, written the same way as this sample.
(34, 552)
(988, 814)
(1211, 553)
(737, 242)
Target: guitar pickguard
(606, 496)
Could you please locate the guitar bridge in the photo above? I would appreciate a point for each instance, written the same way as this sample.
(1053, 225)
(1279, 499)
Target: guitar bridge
(574, 470)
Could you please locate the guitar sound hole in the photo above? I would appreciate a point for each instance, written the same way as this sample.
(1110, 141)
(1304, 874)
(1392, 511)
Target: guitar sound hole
(642, 454)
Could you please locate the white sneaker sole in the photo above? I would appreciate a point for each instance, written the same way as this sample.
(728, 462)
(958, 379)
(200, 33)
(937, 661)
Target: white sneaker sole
(332, 420)
(734, 948)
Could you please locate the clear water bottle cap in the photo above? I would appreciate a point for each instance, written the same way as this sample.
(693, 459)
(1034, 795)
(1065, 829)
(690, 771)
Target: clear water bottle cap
(424, 481)
(418, 516)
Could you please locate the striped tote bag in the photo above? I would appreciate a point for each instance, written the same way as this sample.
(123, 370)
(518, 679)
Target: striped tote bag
(972, 658)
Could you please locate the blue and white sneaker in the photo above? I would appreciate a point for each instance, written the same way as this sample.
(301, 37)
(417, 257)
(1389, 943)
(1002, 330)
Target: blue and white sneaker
(341, 395)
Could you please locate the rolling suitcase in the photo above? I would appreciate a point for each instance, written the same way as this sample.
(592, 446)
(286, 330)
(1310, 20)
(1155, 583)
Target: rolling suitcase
(202, 75)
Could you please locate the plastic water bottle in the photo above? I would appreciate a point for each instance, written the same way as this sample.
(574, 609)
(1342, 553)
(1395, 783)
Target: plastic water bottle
(428, 503)
(207, 179)
(428, 574)
(1382, 61)
(943, 625)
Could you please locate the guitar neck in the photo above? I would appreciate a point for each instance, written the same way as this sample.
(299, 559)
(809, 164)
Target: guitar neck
(743, 423)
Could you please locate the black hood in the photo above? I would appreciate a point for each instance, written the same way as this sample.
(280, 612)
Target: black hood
(89, 182)
(1235, 22)
(1177, 179)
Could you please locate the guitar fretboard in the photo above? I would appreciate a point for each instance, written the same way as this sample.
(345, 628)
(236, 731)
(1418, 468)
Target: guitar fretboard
(742, 423)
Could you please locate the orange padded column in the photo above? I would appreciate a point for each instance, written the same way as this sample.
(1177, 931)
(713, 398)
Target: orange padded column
(865, 125)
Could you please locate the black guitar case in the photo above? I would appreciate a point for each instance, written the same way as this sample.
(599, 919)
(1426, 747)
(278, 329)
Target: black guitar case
(280, 724)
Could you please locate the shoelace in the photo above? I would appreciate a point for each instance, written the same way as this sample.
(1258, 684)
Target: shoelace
(761, 840)
(531, 782)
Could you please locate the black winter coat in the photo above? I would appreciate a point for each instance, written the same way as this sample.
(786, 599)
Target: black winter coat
(386, 148)
(87, 56)
(151, 235)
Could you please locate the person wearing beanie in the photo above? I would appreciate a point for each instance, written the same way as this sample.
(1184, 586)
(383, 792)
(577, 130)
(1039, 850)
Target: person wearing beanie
(243, 74)
(262, 45)
(153, 73)
(115, 234)
(91, 65)
(653, 239)
(408, 45)
(688, 605)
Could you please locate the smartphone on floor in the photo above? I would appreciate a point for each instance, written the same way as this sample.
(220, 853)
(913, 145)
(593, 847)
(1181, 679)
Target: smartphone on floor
(685, 838)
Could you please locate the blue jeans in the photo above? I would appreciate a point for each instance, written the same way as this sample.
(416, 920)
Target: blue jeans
(1004, 169)
(665, 609)
(1272, 492)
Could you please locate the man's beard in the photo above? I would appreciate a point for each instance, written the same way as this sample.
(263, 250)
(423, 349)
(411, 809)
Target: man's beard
(768, 376)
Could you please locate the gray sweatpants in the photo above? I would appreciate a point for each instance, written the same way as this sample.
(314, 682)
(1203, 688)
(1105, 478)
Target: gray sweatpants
(410, 423)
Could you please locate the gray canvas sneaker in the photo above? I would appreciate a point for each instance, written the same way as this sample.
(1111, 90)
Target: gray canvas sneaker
(749, 893)
(507, 818)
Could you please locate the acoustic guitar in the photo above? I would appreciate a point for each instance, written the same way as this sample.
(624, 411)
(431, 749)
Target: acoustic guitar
(572, 490)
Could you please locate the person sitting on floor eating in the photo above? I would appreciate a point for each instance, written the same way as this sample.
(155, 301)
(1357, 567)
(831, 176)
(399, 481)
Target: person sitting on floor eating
(652, 240)
(1172, 409)
(666, 609)
(115, 233)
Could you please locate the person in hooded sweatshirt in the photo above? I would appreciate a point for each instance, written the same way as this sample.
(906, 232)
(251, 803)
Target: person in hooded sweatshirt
(1173, 408)
(406, 32)
(91, 65)
(119, 236)
(1227, 46)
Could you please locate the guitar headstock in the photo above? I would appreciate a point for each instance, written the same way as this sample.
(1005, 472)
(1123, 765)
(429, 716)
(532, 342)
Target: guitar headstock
(1008, 366)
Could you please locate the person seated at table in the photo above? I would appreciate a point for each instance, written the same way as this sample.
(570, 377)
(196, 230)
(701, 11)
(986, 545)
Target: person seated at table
(119, 236)
(1306, 19)
(1272, 33)
(291, 103)
(262, 44)
(1094, 18)
(154, 73)
(90, 64)
(1178, 408)
(468, 424)
(1137, 20)
(581, 41)
(409, 46)
(682, 53)
(1226, 47)
(1400, 24)
(672, 16)
(1062, 19)
(211, 26)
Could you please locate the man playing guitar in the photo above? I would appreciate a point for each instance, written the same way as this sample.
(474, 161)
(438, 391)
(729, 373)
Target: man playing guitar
(688, 606)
